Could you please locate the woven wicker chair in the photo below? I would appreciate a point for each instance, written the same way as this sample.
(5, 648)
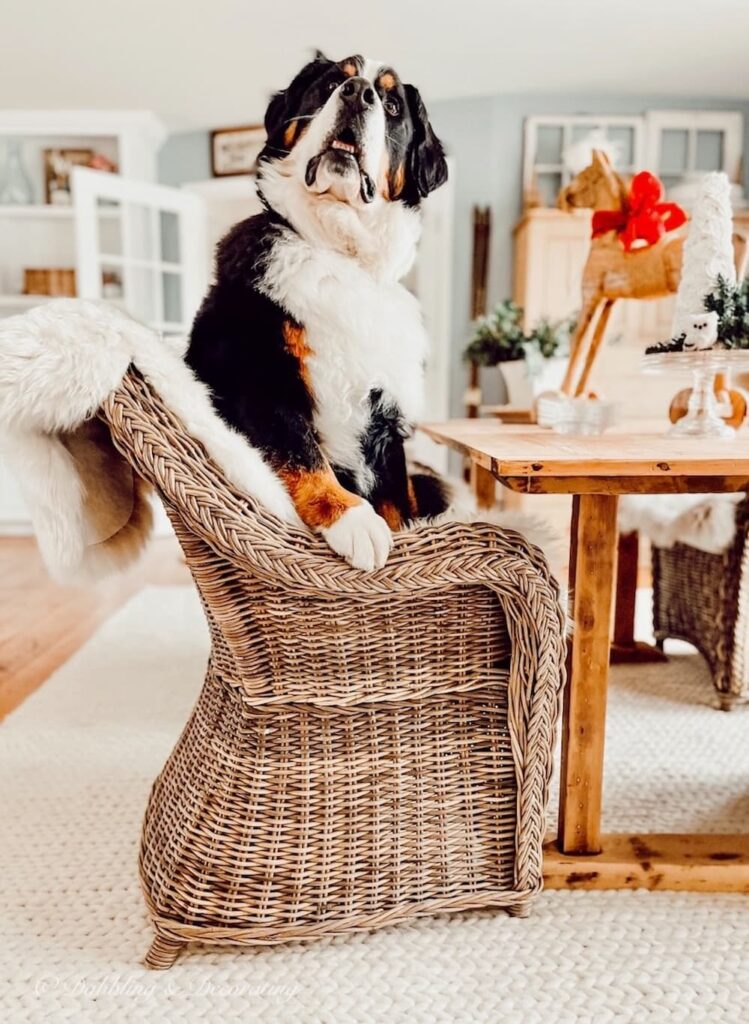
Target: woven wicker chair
(366, 747)
(704, 599)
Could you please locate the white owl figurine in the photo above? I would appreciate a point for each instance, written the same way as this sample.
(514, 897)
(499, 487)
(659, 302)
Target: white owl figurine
(700, 330)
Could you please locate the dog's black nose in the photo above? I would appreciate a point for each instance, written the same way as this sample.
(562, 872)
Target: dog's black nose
(358, 93)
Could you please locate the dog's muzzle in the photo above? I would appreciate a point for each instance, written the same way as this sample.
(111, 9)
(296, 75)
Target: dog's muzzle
(341, 153)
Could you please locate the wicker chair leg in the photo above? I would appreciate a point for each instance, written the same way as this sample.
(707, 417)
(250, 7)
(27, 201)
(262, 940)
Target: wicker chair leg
(162, 954)
(519, 910)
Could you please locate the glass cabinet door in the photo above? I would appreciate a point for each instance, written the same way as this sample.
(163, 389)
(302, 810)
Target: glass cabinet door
(141, 246)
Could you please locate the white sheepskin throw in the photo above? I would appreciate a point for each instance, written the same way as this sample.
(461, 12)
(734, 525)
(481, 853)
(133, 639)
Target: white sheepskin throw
(704, 521)
(58, 363)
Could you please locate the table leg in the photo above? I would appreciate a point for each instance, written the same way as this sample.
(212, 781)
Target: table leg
(592, 573)
(483, 485)
(624, 647)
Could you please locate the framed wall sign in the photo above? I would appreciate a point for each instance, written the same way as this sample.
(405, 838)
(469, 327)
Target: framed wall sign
(235, 150)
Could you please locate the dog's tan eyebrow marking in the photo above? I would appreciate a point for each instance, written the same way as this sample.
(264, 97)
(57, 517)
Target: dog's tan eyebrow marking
(387, 80)
(397, 181)
(290, 133)
(349, 68)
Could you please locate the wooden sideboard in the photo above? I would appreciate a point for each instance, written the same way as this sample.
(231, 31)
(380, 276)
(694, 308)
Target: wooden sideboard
(550, 248)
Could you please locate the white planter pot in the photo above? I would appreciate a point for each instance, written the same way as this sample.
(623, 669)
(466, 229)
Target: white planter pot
(525, 380)
(518, 383)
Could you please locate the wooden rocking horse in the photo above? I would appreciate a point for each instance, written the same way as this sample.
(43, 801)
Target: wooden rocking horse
(611, 271)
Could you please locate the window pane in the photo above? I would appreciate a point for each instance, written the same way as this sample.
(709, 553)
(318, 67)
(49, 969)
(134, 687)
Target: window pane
(709, 151)
(583, 131)
(549, 145)
(674, 150)
(172, 291)
(169, 236)
(669, 180)
(624, 141)
(111, 283)
(140, 222)
(109, 224)
(140, 292)
(548, 188)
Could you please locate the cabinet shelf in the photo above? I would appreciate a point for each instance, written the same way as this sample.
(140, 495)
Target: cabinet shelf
(20, 302)
(42, 211)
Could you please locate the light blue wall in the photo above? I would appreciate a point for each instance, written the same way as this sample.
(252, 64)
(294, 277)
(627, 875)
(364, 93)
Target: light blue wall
(484, 135)
(184, 157)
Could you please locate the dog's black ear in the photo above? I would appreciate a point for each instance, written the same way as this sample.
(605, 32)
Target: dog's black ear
(428, 166)
(274, 115)
(319, 55)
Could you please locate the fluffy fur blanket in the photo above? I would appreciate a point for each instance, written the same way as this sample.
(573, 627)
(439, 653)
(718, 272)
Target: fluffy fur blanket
(704, 521)
(90, 513)
(58, 363)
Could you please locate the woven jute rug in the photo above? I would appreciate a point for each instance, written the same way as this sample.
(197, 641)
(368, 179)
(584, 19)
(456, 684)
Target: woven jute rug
(76, 764)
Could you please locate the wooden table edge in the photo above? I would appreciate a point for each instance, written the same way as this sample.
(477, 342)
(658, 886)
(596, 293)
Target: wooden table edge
(618, 476)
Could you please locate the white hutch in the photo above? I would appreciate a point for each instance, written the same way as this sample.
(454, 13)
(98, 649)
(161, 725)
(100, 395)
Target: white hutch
(128, 239)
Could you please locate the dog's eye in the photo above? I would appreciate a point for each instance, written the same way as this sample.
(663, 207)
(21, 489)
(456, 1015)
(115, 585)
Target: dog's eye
(332, 86)
(392, 107)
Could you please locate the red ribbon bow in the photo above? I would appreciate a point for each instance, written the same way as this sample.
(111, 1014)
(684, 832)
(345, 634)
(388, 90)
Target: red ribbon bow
(644, 217)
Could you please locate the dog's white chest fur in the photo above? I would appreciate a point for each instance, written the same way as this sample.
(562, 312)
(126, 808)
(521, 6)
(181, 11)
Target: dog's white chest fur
(363, 334)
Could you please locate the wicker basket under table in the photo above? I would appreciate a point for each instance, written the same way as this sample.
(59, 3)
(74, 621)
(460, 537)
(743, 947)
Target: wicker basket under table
(703, 598)
(366, 747)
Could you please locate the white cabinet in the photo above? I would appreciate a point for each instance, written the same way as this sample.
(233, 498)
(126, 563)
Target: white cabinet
(127, 239)
(40, 235)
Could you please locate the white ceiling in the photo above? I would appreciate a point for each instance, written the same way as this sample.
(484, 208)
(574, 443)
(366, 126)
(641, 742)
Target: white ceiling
(215, 62)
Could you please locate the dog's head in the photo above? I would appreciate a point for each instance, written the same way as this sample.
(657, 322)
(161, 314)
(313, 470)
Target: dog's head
(354, 133)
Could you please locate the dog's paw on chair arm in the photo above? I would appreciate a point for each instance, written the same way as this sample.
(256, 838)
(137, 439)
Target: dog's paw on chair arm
(360, 536)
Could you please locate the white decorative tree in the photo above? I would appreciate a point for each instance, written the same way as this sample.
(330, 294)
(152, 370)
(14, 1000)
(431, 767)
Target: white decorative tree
(708, 255)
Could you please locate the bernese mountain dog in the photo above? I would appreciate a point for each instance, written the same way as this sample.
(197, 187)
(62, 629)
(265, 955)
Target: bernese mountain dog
(309, 343)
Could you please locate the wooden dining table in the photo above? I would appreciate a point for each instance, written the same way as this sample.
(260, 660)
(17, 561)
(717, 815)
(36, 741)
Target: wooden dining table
(635, 458)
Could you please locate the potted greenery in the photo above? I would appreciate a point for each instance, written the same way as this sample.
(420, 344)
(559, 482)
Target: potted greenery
(531, 362)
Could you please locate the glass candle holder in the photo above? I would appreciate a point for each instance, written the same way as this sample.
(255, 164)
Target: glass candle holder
(704, 416)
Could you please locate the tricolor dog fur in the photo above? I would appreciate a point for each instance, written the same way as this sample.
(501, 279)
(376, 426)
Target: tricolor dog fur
(311, 346)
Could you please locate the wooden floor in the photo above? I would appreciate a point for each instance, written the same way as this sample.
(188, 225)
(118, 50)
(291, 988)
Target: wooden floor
(42, 624)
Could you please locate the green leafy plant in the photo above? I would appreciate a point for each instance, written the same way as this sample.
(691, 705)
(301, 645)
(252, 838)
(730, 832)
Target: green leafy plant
(731, 302)
(499, 337)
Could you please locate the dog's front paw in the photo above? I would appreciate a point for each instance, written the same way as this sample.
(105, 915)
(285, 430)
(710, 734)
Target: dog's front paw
(361, 537)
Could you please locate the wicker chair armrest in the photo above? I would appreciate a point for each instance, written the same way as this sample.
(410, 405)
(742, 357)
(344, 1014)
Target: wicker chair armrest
(155, 442)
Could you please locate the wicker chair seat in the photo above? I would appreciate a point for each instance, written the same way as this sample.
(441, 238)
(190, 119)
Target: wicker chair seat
(366, 747)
